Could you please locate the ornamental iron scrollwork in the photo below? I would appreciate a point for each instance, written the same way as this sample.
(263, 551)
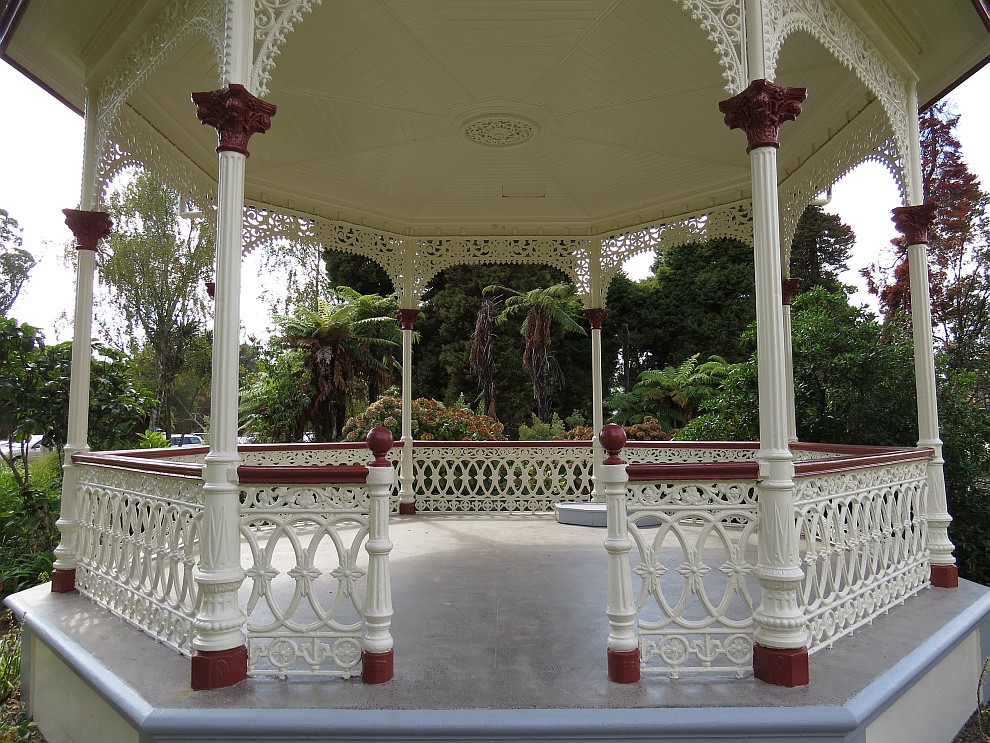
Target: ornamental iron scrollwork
(827, 23)
(177, 21)
(274, 20)
(135, 144)
(306, 576)
(866, 138)
(864, 545)
(138, 548)
(723, 20)
(696, 544)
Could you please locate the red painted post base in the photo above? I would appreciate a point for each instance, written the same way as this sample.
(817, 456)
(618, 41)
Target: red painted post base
(781, 666)
(63, 581)
(377, 668)
(407, 509)
(945, 576)
(623, 666)
(218, 669)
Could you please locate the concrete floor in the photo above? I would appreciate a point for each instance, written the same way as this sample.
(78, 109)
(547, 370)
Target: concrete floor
(506, 612)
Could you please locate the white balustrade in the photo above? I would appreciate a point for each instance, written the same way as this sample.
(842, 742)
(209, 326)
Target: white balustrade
(302, 550)
(497, 476)
(863, 543)
(691, 525)
(696, 542)
(139, 545)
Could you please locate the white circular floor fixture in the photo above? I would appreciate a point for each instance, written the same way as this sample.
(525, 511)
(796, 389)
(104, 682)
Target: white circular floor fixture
(499, 131)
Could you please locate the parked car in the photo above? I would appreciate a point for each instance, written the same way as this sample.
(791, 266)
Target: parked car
(186, 439)
(32, 447)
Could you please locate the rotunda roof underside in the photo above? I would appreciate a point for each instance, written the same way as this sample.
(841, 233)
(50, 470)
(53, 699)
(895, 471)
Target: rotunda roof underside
(498, 117)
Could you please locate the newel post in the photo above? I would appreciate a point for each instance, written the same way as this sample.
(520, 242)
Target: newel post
(623, 644)
(377, 657)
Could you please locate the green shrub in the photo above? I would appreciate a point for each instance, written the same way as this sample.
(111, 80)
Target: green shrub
(27, 524)
(540, 431)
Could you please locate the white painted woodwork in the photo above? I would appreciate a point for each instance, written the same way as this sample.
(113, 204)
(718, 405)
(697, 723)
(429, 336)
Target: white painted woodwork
(377, 612)
(924, 367)
(406, 494)
(220, 621)
(375, 98)
(621, 606)
(79, 370)
(597, 418)
(780, 621)
(924, 375)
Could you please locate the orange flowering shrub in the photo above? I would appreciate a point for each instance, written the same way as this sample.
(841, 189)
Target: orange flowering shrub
(649, 430)
(431, 421)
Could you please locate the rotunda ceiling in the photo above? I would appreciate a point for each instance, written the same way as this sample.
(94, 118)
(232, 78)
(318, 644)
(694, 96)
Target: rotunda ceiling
(497, 117)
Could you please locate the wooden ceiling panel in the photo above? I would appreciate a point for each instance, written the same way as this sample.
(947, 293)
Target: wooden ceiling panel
(363, 56)
(307, 127)
(498, 50)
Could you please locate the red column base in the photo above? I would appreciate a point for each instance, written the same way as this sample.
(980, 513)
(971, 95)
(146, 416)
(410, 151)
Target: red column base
(218, 669)
(781, 666)
(945, 576)
(377, 668)
(407, 509)
(63, 581)
(623, 666)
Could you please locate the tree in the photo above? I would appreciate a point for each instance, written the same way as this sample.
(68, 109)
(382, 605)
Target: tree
(34, 396)
(634, 333)
(156, 267)
(481, 357)
(544, 312)
(958, 250)
(670, 395)
(853, 383)
(349, 342)
(705, 296)
(15, 262)
(441, 362)
(820, 249)
(276, 398)
(357, 272)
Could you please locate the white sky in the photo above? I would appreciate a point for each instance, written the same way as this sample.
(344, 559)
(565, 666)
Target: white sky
(40, 175)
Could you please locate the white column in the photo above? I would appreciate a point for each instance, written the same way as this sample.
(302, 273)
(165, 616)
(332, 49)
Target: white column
(377, 637)
(87, 227)
(407, 496)
(944, 571)
(780, 621)
(781, 655)
(914, 222)
(596, 317)
(221, 656)
(220, 623)
(623, 644)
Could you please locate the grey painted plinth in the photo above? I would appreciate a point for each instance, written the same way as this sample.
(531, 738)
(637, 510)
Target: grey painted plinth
(500, 635)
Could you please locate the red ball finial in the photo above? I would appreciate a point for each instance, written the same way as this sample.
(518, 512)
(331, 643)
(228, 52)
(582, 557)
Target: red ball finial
(612, 437)
(380, 440)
